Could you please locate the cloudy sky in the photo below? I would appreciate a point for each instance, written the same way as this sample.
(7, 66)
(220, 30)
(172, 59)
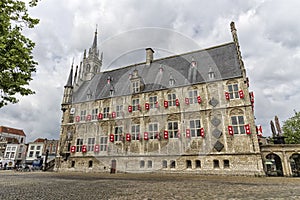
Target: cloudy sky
(268, 31)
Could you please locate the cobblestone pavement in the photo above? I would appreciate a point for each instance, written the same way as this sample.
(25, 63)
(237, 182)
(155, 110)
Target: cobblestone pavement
(54, 185)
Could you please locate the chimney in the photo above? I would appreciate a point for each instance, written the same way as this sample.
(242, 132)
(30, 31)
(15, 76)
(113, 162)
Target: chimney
(149, 56)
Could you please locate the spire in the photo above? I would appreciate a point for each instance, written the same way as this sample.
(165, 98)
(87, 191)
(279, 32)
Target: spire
(69, 82)
(75, 76)
(95, 40)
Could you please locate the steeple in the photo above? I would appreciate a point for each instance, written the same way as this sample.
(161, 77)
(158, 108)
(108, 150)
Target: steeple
(68, 91)
(95, 40)
(70, 79)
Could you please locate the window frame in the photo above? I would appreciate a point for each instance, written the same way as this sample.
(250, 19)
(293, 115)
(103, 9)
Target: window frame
(91, 144)
(193, 96)
(106, 112)
(171, 99)
(233, 91)
(135, 104)
(103, 143)
(172, 130)
(152, 102)
(195, 132)
(135, 131)
(79, 144)
(152, 130)
(238, 125)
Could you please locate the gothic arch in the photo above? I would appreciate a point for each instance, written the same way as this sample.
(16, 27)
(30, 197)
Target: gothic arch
(236, 111)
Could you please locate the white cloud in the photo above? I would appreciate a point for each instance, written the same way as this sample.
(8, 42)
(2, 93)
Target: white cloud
(268, 32)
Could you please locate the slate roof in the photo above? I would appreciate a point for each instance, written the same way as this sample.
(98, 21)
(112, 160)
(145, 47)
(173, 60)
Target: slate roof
(222, 60)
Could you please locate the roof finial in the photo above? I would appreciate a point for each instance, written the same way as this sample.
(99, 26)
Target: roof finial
(95, 38)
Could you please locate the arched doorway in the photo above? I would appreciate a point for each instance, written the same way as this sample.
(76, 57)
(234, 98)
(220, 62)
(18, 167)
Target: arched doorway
(295, 164)
(273, 165)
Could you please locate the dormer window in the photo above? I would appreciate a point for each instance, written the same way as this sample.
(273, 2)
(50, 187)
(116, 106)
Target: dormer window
(171, 81)
(89, 94)
(211, 74)
(111, 91)
(109, 79)
(136, 86)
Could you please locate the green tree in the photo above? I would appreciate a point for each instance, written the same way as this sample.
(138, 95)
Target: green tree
(291, 129)
(16, 60)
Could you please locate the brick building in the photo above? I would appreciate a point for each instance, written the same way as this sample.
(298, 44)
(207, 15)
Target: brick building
(188, 113)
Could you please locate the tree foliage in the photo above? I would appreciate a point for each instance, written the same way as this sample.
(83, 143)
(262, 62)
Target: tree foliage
(291, 129)
(16, 60)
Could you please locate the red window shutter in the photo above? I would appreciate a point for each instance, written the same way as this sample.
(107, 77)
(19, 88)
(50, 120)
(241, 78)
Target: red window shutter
(113, 114)
(251, 94)
(187, 101)
(139, 107)
(247, 128)
(157, 136)
(188, 133)
(230, 130)
(96, 148)
(241, 93)
(259, 130)
(83, 148)
(146, 136)
(199, 99)
(227, 97)
(178, 134)
(147, 106)
(111, 137)
(100, 116)
(129, 108)
(77, 118)
(177, 102)
(73, 149)
(202, 132)
(128, 137)
(166, 104)
(88, 117)
(166, 135)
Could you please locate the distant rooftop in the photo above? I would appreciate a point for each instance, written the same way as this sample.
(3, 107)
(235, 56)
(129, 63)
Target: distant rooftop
(4, 129)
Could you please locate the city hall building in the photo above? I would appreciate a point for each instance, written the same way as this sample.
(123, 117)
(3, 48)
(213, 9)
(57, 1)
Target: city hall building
(188, 113)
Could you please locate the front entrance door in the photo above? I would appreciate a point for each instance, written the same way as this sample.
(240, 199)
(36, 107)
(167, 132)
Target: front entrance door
(113, 166)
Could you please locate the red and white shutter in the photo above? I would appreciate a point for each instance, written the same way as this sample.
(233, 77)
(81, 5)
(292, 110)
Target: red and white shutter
(230, 130)
(188, 133)
(259, 130)
(128, 137)
(187, 101)
(96, 148)
(177, 102)
(241, 94)
(166, 135)
(113, 114)
(157, 136)
(88, 117)
(73, 149)
(83, 148)
(227, 96)
(139, 107)
(199, 99)
(146, 136)
(77, 118)
(178, 134)
(129, 108)
(166, 104)
(100, 116)
(147, 106)
(247, 128)
(156, 104)
(251, 94)
(111, 137)
(202, 132)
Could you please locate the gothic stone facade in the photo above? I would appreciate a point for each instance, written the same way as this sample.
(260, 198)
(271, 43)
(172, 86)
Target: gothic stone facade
(188, 113)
